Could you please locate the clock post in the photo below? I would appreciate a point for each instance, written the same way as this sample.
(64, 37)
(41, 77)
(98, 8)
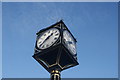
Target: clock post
(55, 49)
(55, 75)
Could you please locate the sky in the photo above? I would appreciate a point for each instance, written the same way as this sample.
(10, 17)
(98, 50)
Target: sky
(0, 40)
(94, 25)
(60, 0)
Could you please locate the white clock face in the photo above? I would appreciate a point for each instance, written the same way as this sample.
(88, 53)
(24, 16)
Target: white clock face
(48, 38)
(69, 41)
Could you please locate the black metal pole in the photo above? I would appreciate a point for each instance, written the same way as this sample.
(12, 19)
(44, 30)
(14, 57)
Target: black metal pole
(55, 75)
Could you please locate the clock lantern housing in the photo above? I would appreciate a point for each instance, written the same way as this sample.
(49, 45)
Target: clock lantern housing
(55, 48)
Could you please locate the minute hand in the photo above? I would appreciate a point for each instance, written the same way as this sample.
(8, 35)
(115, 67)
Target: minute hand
(47, 38)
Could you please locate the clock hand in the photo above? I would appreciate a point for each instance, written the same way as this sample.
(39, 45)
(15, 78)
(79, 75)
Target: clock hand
(47, 38)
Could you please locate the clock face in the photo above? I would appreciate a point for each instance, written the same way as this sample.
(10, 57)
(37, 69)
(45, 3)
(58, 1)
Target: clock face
(48, 38)
(69, 42)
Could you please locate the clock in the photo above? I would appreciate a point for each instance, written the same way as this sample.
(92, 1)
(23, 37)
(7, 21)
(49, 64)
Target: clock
(69, 41)
(48, 38)
(55, 48)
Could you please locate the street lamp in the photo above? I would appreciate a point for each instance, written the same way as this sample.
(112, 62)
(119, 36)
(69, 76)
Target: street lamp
(55, 49)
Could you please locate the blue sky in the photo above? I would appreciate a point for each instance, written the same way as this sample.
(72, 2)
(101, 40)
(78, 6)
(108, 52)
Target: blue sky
(94, 25)
(0, 40)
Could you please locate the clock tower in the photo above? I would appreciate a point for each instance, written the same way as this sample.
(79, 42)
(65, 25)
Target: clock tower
(55, 49)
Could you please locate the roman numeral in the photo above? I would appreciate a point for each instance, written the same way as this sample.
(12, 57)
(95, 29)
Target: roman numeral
(56, 34)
